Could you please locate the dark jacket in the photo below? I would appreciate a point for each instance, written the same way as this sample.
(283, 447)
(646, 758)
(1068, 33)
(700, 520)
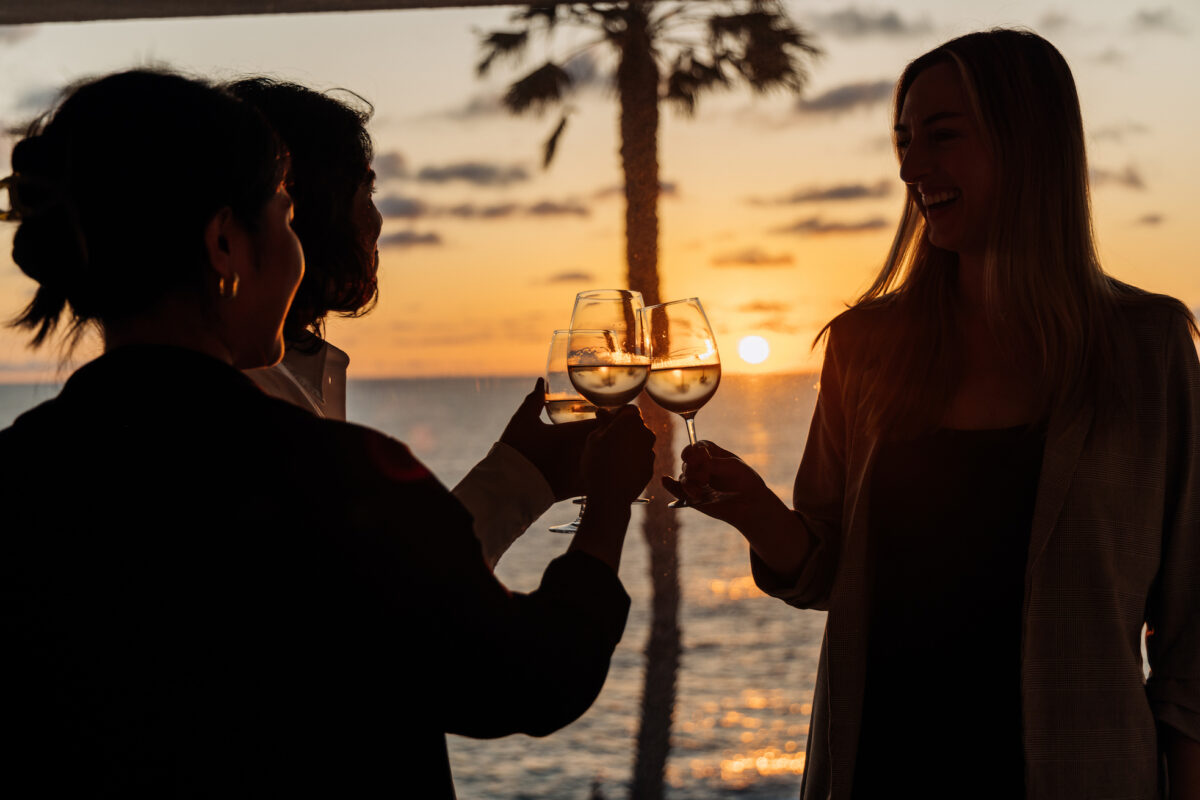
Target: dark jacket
(208, 592)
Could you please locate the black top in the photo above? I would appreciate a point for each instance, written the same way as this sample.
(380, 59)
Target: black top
(950, 521)
(208, 592)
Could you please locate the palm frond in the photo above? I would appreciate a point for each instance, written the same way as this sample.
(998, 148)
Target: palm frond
(544, 86)
(689, 75)
(764, 47)
(502, 44)
(546, 13)
(552, 143)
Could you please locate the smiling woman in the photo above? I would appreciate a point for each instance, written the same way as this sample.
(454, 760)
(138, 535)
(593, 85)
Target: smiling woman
(979, 409)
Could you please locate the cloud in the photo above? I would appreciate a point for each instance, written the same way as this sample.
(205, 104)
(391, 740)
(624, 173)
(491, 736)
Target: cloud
(1151, 220)
(549, 208)
(1118, 132)
(472, 211)
(480, 105)
(409, 239)
(1158, 20)
(390, 165)
(815, 226)
(476, 173)
(571, 277)
(846, 97)
(15, 34)
(585, 72)
(1130, 178)
(852, 23)
(36, 99)
(763, 306)
(665, 189)
(544, 208)
(845, 191)
(1054, 22)
(779, 325)
(753, 257)
(393, 205)
(1112, 57)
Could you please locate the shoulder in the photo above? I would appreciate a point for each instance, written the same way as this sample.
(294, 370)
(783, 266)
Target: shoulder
(1151, 321)
(860, 329)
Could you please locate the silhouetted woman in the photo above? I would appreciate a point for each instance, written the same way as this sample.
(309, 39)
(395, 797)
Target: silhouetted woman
(331, 183)
(1001, 483)
(175, 623)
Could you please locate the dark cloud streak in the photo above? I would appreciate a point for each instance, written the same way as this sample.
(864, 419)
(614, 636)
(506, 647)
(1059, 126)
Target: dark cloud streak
(476, 173)
(1130, 178)
(754, 257)
(846, 191)
(815, 226)
(847, 97)
(851, 23)
(409, 239)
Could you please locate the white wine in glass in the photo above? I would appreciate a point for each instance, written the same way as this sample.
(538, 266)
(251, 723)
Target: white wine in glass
(564, 404)
(605, 370)
(685, 368)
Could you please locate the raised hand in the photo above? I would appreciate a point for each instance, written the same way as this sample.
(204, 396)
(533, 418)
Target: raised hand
(555, 450)
(618, 458)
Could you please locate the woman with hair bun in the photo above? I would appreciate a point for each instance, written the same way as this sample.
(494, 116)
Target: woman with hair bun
(1001, 485)
(175, 624)
(332, 183)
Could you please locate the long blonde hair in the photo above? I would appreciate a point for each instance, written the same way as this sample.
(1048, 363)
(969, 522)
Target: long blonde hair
(1045, 291)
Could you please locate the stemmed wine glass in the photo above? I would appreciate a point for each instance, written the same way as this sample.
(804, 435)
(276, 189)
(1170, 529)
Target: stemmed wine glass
(685, 368)
(564, 404)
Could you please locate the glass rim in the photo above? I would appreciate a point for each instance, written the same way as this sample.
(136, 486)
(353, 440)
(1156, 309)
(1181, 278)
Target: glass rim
(673, 302)
(596, 293)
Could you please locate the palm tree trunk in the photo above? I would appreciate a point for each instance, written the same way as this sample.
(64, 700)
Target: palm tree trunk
(637, 84)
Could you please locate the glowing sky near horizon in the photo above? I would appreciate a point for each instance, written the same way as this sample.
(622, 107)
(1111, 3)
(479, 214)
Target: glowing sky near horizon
(775, 216)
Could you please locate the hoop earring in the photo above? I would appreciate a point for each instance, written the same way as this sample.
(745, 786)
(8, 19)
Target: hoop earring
(228, 288)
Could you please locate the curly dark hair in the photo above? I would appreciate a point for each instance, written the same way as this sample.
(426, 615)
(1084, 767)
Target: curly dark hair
(113, 190)
(331, 155)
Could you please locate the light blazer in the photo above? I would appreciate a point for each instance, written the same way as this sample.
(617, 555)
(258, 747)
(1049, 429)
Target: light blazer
(1115, 544)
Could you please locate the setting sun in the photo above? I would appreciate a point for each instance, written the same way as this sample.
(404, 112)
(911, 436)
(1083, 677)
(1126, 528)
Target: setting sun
(754, 349)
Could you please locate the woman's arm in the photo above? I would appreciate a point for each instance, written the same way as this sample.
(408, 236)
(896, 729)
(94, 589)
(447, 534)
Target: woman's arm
(1173, 612)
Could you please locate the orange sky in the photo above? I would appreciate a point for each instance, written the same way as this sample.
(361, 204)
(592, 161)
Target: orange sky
(479, 295)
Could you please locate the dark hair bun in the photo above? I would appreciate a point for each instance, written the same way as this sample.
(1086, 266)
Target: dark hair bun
(114, 188)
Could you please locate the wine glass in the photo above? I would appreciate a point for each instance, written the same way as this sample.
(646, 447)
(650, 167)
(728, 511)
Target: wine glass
(685, 368)
(614, 310)
(564, 404)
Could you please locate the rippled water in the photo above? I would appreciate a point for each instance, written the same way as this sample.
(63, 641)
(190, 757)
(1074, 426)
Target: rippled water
(749, 661)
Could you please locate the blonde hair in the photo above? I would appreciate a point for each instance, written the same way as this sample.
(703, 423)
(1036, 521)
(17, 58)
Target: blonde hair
(1045, 291)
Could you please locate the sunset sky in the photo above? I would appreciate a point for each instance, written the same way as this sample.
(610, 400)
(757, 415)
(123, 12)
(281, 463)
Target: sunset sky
(778, 210)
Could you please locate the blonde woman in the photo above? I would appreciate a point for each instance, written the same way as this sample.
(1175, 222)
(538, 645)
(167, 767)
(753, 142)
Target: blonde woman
(1001, 484)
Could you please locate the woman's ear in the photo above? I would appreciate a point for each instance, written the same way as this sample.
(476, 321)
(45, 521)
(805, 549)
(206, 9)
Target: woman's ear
(218, 235)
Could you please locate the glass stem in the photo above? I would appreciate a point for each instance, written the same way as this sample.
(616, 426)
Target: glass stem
(690, 421)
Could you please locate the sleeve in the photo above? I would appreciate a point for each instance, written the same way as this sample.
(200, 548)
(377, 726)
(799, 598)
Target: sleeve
(1173, 616)
(819, 493)
(474, 657)
(505, 493)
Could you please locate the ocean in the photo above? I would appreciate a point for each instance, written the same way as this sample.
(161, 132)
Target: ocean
(749, 661)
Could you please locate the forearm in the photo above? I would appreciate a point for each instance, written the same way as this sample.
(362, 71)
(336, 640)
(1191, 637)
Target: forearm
(602, 531)
(505, 493)
(775, 533)
(1183, 765)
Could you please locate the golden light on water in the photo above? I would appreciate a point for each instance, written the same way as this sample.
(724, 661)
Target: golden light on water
(735, 588)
